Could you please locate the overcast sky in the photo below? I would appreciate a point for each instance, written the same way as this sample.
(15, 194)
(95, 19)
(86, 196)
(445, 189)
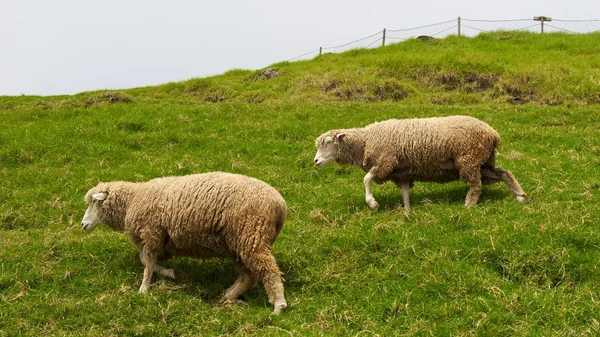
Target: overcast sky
(69, 46)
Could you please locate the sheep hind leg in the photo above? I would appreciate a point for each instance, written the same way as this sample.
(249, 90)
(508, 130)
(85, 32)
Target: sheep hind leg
(262, 264)
(473, 194)
(244, 282)
(494, 175)
(490, 176)
(405, 189)
(471, 175)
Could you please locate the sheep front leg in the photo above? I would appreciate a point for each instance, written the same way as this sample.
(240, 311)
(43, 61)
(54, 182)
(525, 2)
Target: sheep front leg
(368, 194)
(160, 270)
(149, 254)
(150, 261)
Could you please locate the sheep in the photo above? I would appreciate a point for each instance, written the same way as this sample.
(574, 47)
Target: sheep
(438, 149)
(214, 214)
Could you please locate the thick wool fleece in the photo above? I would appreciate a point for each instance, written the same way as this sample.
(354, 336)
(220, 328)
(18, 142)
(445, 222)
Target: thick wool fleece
(425, 149)
(203, 215)
(438, 149)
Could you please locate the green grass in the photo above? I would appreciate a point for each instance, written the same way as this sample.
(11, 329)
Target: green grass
(501, 268)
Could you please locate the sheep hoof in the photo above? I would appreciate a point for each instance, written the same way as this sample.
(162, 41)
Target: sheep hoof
(279, 307)
(523, 198)
(229, 302)
(168, 273)
(143, 290)
(470, 203)
(373, 204)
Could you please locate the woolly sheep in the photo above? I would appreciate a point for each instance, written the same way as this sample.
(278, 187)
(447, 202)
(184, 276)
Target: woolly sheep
(206, 215)
(439, 149)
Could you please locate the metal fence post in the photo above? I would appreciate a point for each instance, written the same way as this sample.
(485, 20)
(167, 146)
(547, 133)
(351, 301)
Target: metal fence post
(383, 39)
(320, 50)
(459, 26)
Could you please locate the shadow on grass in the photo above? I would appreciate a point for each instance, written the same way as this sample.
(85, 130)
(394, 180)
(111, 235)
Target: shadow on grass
(451, 195)
(206, 279)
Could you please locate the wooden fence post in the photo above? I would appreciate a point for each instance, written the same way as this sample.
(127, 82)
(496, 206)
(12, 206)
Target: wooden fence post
(542, 26)
(542, 19)
(459, 26)
(320, 50)
(383, 40)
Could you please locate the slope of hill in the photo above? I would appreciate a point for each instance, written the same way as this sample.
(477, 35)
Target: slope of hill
(501, 268)
(511, 67)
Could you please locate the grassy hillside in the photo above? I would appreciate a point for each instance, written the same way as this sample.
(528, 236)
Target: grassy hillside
(501, 268)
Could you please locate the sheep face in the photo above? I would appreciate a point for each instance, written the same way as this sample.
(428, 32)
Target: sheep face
(327, 148)
(91, 218)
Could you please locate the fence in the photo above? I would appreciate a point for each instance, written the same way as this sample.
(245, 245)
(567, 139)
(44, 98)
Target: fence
(461, 27)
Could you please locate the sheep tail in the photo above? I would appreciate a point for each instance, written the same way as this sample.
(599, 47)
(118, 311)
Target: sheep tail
(282, 215)
(491, 161)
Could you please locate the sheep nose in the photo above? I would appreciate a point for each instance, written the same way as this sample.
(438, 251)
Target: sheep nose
(316, 160)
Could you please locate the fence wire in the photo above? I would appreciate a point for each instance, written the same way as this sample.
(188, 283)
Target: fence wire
(460, 26)
(572, 26)
(435, 30)
(360, 43)
(471, 27)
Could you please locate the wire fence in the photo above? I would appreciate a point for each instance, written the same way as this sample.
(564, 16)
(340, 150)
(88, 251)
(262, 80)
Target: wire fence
(461, 27)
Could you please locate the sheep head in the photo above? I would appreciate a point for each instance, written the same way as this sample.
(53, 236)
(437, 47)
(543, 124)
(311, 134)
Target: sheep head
(91, 218)
(327, 147)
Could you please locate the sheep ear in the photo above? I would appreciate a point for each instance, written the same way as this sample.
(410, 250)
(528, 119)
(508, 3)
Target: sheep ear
(340, 136)
(100, 196)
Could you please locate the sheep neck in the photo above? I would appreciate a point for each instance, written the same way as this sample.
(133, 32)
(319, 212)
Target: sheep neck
(351, 149)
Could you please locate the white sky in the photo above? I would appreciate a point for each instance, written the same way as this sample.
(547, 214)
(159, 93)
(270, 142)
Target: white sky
(50, 47)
